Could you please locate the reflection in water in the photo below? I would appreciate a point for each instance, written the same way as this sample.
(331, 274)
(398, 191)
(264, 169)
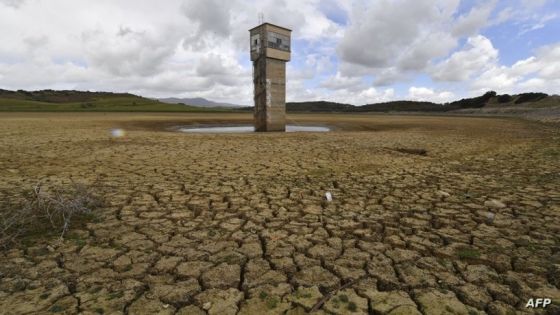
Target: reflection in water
(242, 129)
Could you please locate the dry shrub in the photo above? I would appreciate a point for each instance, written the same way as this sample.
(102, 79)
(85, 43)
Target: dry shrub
(46, 211)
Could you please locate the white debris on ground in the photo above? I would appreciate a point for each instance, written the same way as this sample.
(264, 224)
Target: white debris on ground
(117, 133)
(490, 217)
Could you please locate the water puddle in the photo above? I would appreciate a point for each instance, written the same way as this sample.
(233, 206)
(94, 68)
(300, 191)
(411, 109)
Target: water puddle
(249, 128)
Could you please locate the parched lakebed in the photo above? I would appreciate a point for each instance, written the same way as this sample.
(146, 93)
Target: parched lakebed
(429, 215)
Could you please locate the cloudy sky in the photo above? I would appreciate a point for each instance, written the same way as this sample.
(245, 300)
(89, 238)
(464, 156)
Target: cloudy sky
(358, 52)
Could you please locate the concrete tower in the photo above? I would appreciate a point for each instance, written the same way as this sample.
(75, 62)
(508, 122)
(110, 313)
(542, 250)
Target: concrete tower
(270, 50)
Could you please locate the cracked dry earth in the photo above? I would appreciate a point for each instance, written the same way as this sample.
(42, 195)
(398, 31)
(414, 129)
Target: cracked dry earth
(237, 223)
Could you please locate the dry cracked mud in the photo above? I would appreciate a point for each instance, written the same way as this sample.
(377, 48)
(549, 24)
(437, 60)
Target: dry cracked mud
(430, 215)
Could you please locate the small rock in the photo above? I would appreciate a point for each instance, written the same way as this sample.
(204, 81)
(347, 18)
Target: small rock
(443, 194)
(207, 306)
(494, 204)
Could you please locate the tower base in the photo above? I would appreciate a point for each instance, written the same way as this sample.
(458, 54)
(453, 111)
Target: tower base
(269, 76)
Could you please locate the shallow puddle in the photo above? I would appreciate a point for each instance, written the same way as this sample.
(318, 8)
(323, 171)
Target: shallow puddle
(249, 128)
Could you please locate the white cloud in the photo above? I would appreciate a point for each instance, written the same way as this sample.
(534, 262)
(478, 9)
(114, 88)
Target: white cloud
(381, 31)
(12, 3)
(477, 55)
(536, 23)
(368, 95)
(402, 43)
(190, 48)
(429, 95)
(338, 82)
(540, 72)
(182, 48)
(210, 16)
(472, 22)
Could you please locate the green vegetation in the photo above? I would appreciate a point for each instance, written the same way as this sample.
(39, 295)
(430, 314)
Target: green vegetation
(302, 294)
(468, 253)
(76, 239)
(488, 98)
(80, 101)
(343, 298)
(272, 302)
(553, 152)
(116, 295)
(530, 97)
(77, 101)
(56, 309)
(505, 98)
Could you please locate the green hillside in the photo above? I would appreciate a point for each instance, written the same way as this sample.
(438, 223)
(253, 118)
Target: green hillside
(489, 100)
(49, 100)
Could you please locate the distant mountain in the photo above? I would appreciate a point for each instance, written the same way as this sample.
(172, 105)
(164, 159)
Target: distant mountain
(197, 101)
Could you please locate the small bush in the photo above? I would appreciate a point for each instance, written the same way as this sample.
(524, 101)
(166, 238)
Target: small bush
(530, 97)
(45, 211)
(505, 98)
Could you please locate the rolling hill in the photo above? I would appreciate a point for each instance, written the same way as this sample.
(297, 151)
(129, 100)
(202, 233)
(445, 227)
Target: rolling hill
(50, 100)
(531, 105)
(489, 99)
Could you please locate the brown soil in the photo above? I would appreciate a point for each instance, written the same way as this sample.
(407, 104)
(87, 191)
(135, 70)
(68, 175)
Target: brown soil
(238, 223)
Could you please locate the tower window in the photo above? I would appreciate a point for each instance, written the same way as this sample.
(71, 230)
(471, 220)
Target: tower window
(278, 41)
(255, 43)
